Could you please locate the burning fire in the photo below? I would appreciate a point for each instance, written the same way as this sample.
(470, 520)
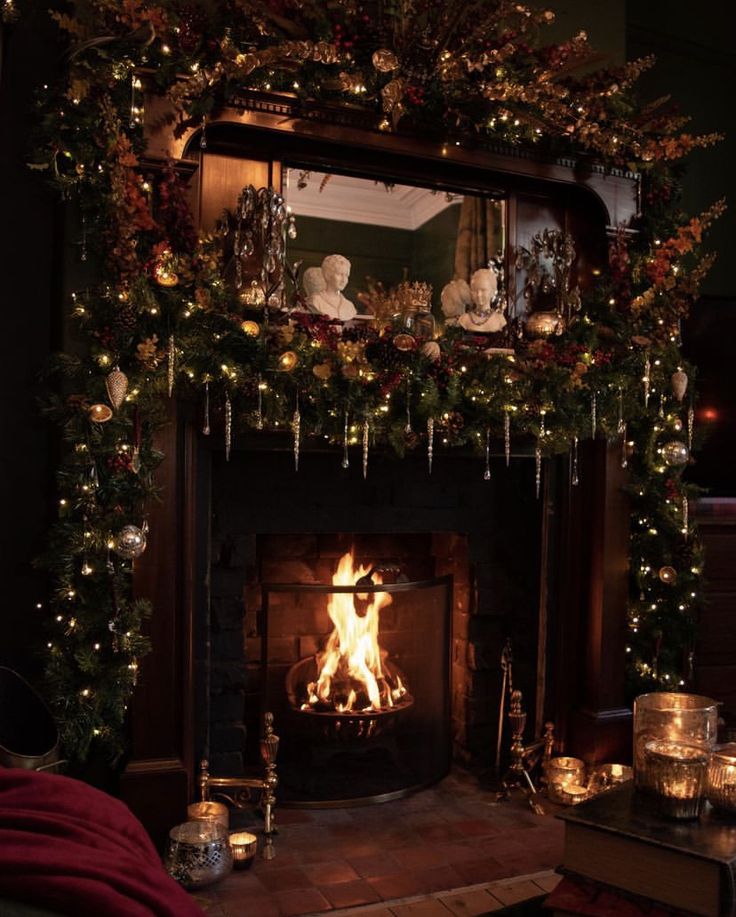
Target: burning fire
(352, 671)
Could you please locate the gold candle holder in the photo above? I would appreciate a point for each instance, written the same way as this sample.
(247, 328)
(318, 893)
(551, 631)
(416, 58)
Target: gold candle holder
(244, 846)
(721, 781)
(571, 794)
(677, 775)
(210, 812)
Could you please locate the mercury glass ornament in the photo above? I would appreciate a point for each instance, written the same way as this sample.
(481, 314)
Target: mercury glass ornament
(675, 453)
(130, 542)
(679, 384)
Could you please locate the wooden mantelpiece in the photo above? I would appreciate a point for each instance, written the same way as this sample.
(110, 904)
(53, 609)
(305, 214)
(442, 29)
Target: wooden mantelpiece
(588, 560)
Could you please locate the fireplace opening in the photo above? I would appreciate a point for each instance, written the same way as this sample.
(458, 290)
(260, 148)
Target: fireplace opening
(356, 671)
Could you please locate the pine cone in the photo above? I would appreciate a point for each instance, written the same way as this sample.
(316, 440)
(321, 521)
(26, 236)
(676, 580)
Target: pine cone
(126, 320)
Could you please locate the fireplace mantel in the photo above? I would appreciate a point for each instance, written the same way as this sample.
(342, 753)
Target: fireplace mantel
(585, 530)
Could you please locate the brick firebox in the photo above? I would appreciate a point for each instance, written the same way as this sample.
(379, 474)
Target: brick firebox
(270, 524)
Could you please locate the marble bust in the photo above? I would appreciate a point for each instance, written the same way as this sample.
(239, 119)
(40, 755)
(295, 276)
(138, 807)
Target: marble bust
(485, 315)
(455, 299)
(330, 300)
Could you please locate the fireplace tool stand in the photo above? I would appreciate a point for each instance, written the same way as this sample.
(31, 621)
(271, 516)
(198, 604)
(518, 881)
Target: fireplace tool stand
(523, 757)
(237, 790)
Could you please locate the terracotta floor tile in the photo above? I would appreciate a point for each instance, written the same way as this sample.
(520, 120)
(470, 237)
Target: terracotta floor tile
(548, 883)
(459, 851)
(429, 908)
(418, 857)
(513, 892)
(319, 854)
(378, 864)
(399, 885)
(439, 831)
(264, 907)
(350, 894)
(330, 873)
(296, 901)
(442, 878)
(484, 870)
(471, 904)
(282, 879)
(475, 827)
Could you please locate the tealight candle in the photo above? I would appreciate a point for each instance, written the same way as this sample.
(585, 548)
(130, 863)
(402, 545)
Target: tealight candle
(244, 846)
(605, 776)
(209, 811)
(563, 771)
(572, 793)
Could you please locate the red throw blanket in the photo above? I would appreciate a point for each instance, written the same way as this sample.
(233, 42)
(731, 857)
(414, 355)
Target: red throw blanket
(74, 850)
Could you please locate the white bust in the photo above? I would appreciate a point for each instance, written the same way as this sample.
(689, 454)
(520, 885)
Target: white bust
(455, 299)
(484, 317)
(330, 301)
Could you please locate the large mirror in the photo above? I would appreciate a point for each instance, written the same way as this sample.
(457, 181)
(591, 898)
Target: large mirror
(391, 235)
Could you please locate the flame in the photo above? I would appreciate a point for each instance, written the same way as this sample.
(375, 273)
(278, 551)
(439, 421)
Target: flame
(351, 673)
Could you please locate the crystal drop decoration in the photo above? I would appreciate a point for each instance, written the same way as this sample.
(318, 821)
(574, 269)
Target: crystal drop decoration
(203, 136)
(661, 405)
(690, 425)
(259, 407)
(171, 364)
(345, 436)
(538, 468)
(575, 475)
(83, 249)
(487, 471)
(624, 447)
(407, 428)
(507, 436)
(593, 414)
(685, 515)
(646, 379)
(430, 442)
(206, 419)
(296, 425)
(366, 434)
(228, 427)
(621, 425)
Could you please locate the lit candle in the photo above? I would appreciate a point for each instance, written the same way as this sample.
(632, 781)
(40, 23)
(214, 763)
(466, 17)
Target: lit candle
(210, 812)
(721, 783)
(677, 773)
(572, 794)
(243, 846)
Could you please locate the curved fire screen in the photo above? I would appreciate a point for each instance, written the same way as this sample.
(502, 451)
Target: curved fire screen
(357, 677)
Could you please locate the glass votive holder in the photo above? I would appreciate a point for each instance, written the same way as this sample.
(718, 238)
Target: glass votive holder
(721, 783)
(677, 775)
(606, 776)
(688, 719)
(564, 770)
(209, 811)
(198, 853)
(244, 846)
(568, 794)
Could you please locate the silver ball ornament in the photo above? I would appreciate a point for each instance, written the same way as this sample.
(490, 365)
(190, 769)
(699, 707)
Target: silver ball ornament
(130, 542)
(675, 453)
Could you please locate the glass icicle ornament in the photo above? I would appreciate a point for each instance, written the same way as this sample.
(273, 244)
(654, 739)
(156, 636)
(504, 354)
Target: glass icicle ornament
(296, 426)
(624, 448)
(538, 467)
(203, 135)
(206, 419)
(171, 364)
(228, 427)
(407, 428)
(685, 515)
(575, 476)
(345, 437)
(487, 472)
(259, 406)
(366, 434)
(690, 425)
(646, 379)
(593, 414)
(507, 436)
(661, 405)
(430, 442)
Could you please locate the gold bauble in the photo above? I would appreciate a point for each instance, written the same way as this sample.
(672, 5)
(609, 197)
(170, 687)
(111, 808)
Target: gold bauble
(668, 575)
(404, 342)
(544, 324)
(384, 60)
(100, 413)
(287, 361)
(251, 328)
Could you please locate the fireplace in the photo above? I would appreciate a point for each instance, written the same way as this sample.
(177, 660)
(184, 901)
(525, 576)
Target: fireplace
(460, 558)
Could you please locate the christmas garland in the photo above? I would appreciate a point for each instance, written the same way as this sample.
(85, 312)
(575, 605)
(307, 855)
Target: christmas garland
(163, 319)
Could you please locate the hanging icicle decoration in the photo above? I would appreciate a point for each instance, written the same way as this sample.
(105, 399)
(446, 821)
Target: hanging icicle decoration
(624, 448)
(366, 434)
(430, 442)
(83, 248)
(203, 137)
(228, 427)
(487, 472)
(171, 364)
(542, 430)
(646, 379)
(407, 429)
(685, 516)
(575, 469)
(621, 428)
(507, 436)
(206, 419)
(690, 426)
(259, 408)
(538, 467)
(296, 426)
(593, 414)
(345, 434)
(661, 405)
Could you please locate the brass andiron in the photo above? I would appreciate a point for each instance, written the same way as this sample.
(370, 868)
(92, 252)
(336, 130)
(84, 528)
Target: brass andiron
(525, 757)
(237, 790)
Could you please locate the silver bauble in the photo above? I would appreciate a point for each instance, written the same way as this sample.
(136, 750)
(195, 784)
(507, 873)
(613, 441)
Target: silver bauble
(130, 542)
(675, 452)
